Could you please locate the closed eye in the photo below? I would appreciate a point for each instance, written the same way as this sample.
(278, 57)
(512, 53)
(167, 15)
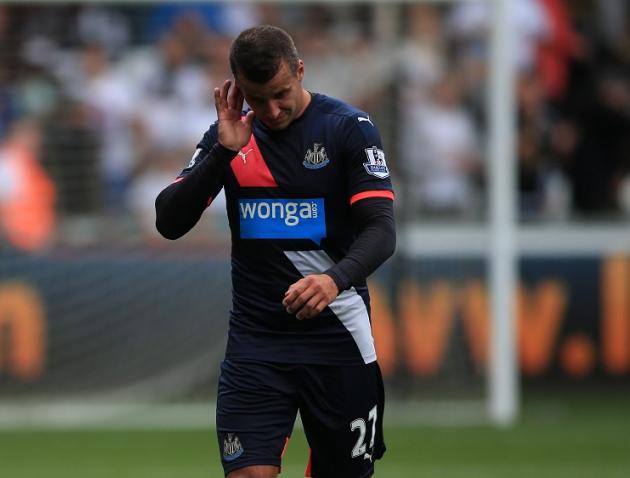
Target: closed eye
(255, 99)
(280, 94)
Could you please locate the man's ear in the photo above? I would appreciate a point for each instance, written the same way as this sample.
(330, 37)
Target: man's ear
(300, 70)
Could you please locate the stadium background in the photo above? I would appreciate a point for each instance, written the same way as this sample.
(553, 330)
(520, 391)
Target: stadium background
(110, 336)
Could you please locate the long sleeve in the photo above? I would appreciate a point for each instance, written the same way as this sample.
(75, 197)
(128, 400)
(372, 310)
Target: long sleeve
(374, 244)
(180, 205)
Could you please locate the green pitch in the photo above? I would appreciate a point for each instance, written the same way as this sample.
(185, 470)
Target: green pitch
(568, 438)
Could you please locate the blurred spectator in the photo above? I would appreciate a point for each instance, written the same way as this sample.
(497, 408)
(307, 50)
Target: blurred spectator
(174, 97)
(147, 186)
(470, 23)
(531, 171)
(423, 55)
(601, 159)
(109, 102)
(543, 191)
(71, 156)
(563, 140)
(613, 18)
(150, 183)
(176, 105)
(191, 32)
(533, 124)
(440, 153)
(223, 19)
(216, 53)
(556, 50)
(4, 23)
(35, 92)
(27, 195)
(7, 103)
(336, 54)
(104, 26)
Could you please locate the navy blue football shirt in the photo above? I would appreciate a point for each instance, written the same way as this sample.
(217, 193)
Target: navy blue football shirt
(288, 196)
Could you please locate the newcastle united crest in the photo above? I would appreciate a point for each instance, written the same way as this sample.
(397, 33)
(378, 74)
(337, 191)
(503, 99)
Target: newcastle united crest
(316, 157)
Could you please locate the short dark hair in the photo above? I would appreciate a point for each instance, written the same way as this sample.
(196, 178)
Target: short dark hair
(258, 52)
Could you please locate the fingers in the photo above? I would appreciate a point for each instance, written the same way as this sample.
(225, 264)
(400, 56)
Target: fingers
(297, 295)
(217, 99)
(241, 99)
(308, 297)
(249, 118)
(225, 89)
(237, 98)
(221, 96)
(312, 308)
(233, 97)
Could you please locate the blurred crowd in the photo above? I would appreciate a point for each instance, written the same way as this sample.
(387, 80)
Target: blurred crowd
(101, 106)
(572, 63)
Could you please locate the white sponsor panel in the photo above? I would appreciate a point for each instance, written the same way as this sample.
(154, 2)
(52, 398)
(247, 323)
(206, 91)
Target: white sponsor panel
(348, 306)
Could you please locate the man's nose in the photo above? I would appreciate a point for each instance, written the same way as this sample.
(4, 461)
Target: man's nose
(273, 109)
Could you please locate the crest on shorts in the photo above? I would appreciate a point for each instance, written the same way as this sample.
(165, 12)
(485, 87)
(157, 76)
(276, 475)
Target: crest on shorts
(316, 157)
(376, 165)
(232, 447)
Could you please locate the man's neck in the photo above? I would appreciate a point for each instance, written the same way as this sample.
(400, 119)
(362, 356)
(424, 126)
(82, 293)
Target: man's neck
(306, 100)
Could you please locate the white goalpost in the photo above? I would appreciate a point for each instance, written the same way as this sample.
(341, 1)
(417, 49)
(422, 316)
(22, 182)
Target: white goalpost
(503, 372)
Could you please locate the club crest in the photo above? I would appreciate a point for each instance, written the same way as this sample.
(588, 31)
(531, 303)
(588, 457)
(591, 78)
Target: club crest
(232, 447)
(376, 165)
(316, 157)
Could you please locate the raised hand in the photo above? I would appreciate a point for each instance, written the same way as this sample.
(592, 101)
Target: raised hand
(234, 132)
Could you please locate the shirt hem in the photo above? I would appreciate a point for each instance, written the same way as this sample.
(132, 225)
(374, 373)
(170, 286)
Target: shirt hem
(265, 357)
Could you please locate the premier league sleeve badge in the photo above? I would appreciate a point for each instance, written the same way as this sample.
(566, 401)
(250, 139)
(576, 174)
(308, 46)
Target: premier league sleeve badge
(376, 165)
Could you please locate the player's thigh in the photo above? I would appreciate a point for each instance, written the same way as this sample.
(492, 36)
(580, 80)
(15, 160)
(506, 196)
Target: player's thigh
(256, 410)
(342, 412)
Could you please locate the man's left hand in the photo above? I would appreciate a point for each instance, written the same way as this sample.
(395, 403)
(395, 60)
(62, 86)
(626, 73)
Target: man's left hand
(307, 297)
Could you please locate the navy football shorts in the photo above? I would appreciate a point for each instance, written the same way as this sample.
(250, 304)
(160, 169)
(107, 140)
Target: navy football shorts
(341, 408)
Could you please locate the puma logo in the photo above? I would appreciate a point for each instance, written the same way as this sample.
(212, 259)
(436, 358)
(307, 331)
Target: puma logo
(243, 155)
(363, 118)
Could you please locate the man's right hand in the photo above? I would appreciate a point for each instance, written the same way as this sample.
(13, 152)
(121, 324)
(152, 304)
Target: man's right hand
(234, 132)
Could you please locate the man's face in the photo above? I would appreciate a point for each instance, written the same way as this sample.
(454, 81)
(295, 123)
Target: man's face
(279, 101)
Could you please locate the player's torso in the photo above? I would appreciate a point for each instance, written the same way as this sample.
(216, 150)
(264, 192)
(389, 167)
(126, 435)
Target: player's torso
(289, 186)
(286, 191)
(287, 202)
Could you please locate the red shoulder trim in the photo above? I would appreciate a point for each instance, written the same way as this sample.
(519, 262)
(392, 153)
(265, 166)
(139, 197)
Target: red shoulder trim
(381, 193)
